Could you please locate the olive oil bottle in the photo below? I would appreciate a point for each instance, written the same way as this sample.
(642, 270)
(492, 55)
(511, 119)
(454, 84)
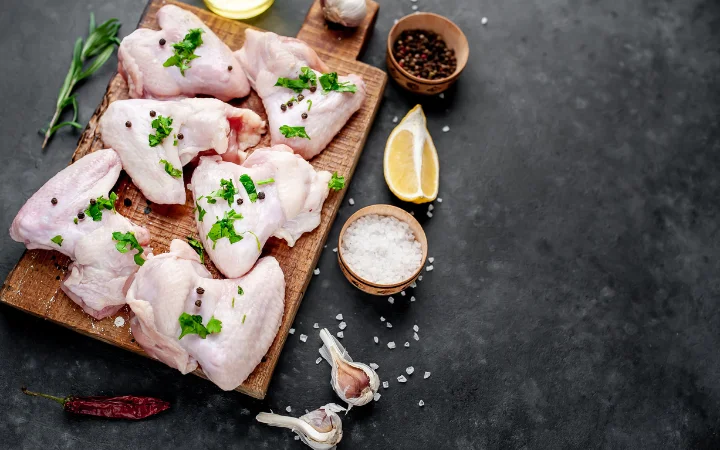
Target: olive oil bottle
(238, 9)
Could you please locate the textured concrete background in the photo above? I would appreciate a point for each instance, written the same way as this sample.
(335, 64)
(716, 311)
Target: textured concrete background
(574, 301)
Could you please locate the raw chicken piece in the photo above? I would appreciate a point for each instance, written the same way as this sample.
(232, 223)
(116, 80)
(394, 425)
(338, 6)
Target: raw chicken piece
(141, 59)
(267, 57)
(205, 124)
(166, 286)
(96, 279)
(291, 207)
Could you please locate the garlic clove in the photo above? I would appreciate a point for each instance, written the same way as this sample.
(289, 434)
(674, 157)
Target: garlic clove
(349, 13)
(355, 383)
(320, 429)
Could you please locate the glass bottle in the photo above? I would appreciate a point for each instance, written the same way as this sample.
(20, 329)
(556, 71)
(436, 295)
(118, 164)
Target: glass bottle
(238, 9)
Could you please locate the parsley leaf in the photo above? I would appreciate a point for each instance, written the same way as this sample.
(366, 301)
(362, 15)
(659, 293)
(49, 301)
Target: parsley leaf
(227, 191)
(233, 302)
(309, 102)
(95, 209)
(225, 228)
(198, 247)
(170, 169)
(59, 239)
(162, 130)
(336, 182)
(268, 181)
(257, 240)
(192, 325)
(185, 50)
(240, 291)
(243, 319)
(295, 85)
(199, 209)
(126, 242)
(214, 325)
(291, 132)
(249, 186)
(308, 76)
(329, 82)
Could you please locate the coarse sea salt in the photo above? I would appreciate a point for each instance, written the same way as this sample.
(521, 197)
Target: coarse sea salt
(410, 370)
(381, 249)
(427, 375)
(303, 337)
(340, 334)
(412, 299)
(391, 300)
(416, 328)
(292, 331)
(342, 325)
(317, 361)
(402, 293)
(386, 384)
(316, 325)
(407, 344)
(374, 366)
(351, 201)
(446, 129)
(395, 119)
(416, 336)
(376, 339)
(402, 379)
(421, 403)
(119, 321)
(391, 345)
(431, 260)
(389, 325)
(288, 409)
(316, 271)
(376, 396)
(339, 317)
(382, 319)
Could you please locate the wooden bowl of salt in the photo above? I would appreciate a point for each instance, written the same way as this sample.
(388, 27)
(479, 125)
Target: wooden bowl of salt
(382, 249)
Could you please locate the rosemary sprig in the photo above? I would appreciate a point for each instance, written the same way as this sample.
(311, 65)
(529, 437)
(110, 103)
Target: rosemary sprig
(95, 51)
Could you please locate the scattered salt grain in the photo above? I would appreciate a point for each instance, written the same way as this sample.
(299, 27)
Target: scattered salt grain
(410, 370)
(445, 129)
(391, 345)
(316, 326)
(412, 299)
(420, 278)
(402, 293)
(421, 403)
(413, 285)
(442, 95)
(382, 319)
(339, 317)
(316, 271)
(484, 20)
(342, 325)
(335, 250)
(416, 328)
(292, 331)
(431, 260)
(427, 375)
(429, 268)
(317, 361)
(429, 214)
(340, 334)
(402, 379)
(374, 366)
(288, 409)
(430, 207)
(439, 200)
(414, 7)
(389, 325)
(381, 249)
(376, 396)
(407, 344)
(395, 119)
(351, 201)
(416, 336)
(119, 321)
(297, 438)
(376, 339)
(303, 337)
(386, 384)
(391, 300)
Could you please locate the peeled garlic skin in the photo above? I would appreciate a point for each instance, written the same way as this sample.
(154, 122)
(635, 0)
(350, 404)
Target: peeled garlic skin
(349, 13)
(353, 380)
(320, 429)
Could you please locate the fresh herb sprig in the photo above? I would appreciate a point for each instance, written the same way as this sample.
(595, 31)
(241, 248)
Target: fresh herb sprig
(88, 57)
(184, 51)
(249, 186)
(292, 132)
(126, 242)
(198, 247)
(225, 228)
(162, 130)
(170, 169)
(192, 324)
(337, 182)
(329, 82)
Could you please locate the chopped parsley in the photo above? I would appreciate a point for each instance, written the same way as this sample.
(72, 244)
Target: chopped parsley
(170, 169)
(329, 82)
(126, 242)
(268, 181)
(256, 239)
(309, 102)
(185, 50)
(193, 325)
(95, 209)
(162, 130)
(233, 302)
(306, 80)
(199, 209)
(336, 182)
(240, 291)
(224, 228)
(249, 186)
(75, 220)
(227, 191)
(244, 316)
(59, 239)
(308, 76)
(291, 132)
(198, 247)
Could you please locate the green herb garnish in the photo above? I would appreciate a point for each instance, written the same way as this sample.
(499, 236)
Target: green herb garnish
(291, 132)
(227, 191)
(336, 182)
(126, 242)
(193, 325)
(249, 186)
(257, 240)
(240, 291)
(59, 239)
(268, 181)
(100, 43)
(233, 303)
(329, 82)
(308, 76)
(162, 130)
(199, 209)
(244, 316)
(309, 102)
(185, 50)
(170, 169)
(295, 85)
(225, 228)
(75, 220)
(95, 209)
(198, 247)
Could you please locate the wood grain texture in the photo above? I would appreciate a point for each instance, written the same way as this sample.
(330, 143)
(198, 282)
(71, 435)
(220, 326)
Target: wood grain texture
(34, 284)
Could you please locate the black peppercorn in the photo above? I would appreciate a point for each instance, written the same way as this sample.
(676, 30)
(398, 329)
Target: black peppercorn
(180, 136)
(93, 201)
(128, 124)
(290, 104)
(283, 107)
(200, 290)
(53, 201)
(152, 113)
(81, 215)
(239, 201)
(304, 115)
(162, 41)
(301, 97)
(261, 195)
(313, 88)
(198, 303)
(127, 202)
(229, 68)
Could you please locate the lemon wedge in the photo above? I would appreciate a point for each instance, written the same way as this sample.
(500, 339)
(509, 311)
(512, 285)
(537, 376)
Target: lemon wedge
(410, 164)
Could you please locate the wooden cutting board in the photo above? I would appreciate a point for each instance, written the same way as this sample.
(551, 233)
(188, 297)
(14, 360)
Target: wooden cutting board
(34, 284)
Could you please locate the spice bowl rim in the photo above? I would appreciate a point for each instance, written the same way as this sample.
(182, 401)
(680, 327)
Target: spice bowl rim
(460, 66)
(382, 210)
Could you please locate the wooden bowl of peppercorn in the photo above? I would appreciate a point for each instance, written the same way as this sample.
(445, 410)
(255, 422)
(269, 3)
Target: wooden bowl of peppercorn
(426, 53)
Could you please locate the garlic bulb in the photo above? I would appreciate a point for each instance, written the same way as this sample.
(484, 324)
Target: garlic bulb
(320, 429)
(355, 383)
(349, 13)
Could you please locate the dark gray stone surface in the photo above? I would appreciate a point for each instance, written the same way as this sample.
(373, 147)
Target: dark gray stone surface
(574, 301)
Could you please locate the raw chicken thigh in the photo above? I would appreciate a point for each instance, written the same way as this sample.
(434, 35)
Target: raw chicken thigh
(285, 200)
(97, 277)
(250, 311)
(266, 57)
(198, 124)
(214, 72)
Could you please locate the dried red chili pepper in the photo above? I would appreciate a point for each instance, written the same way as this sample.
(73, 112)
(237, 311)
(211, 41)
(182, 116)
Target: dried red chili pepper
(122, 407)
